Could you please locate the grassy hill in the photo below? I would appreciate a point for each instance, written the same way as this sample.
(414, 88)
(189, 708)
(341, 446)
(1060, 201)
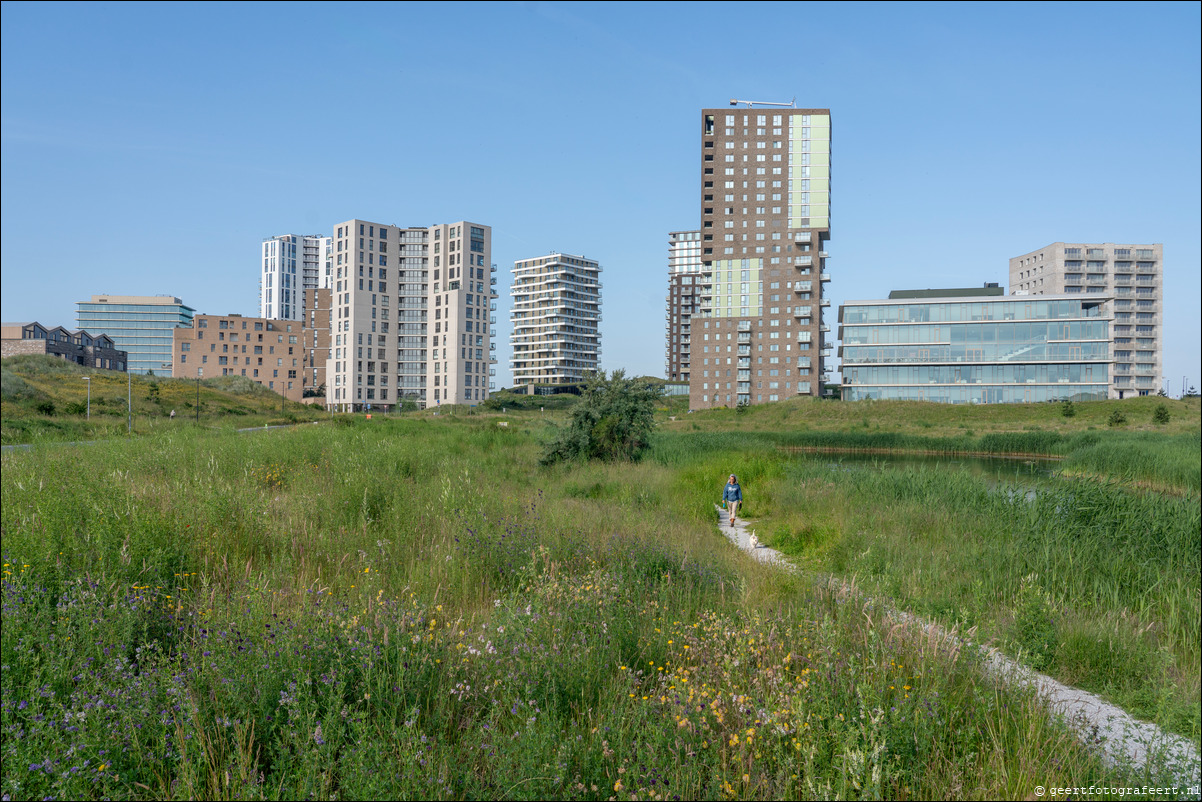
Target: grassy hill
(942, 420)
(46, 398)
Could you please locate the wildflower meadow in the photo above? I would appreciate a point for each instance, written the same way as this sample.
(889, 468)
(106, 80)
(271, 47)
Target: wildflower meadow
(415, 608)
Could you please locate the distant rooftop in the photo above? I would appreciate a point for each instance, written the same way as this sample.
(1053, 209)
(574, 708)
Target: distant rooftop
(165, 300)
(990, 289)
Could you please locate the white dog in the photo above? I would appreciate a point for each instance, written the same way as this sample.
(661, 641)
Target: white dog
(755, 541)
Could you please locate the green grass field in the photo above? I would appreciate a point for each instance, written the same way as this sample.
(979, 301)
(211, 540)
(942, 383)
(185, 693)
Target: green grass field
(425, 531)
(412, 607)
(45, 399)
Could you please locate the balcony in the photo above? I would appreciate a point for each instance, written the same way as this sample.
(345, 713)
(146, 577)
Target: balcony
(804, 236)
(824, 276)
(825, 302)
(744, 325)
(823, 255)
(804, 260)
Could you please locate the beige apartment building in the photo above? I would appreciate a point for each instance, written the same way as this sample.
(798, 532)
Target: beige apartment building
(315, 345)
(759, 334)
(555, 317)
(1132, 275)
(411, 315)
(269, 352)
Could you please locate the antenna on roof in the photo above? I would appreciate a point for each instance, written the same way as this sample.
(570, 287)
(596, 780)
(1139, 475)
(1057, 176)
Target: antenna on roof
(753, 103)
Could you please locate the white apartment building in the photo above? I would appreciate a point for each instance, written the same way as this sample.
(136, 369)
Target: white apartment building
(412, 316)
(1132, 275)
(556, 309)
(292, 263)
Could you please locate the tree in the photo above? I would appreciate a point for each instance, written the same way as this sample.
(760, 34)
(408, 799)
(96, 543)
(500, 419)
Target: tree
(613, 421)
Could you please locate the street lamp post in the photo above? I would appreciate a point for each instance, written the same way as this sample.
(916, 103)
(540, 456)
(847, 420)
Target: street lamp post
(199, 372)
(88, 379)
(129, 400)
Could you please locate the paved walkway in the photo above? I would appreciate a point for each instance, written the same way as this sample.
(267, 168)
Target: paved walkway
(1124, 740)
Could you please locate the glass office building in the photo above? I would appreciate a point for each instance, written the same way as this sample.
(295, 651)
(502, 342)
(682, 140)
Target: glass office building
(956, 349)
(139, 324)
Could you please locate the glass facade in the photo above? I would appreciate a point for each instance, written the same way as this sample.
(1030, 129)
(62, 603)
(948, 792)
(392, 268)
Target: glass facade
(966, 351)
(144, 330)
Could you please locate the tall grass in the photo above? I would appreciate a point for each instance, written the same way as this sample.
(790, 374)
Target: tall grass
(412, 608)
(1119, 570)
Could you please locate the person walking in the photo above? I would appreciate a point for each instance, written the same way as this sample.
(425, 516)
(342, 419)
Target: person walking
(732, 496)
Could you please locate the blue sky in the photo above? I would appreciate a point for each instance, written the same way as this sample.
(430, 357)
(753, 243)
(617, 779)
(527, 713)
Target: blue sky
(148, 149)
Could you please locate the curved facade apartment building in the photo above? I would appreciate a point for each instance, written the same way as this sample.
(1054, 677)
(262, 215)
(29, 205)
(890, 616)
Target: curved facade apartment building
(556, 310)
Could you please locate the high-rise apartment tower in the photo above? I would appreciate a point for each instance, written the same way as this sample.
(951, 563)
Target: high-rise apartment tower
(765, 222)
(684, 296)
(291, 264)
(410, 315)
(1132, 275)
(556, 309)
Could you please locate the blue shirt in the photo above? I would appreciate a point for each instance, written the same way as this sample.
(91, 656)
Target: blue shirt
(732, 493)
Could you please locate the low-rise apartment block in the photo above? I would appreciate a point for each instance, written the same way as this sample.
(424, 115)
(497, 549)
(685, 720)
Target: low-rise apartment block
(79, 347)
(1130, 274)
(269, 352)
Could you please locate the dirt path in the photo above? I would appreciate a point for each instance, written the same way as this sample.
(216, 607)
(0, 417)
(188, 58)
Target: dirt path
(1123, 739)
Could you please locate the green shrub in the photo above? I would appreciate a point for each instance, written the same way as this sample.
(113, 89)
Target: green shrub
(1160, 415)
(45, 407)
(612, 421)
(1067, 409)
(1117, 418)
(75, 408)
